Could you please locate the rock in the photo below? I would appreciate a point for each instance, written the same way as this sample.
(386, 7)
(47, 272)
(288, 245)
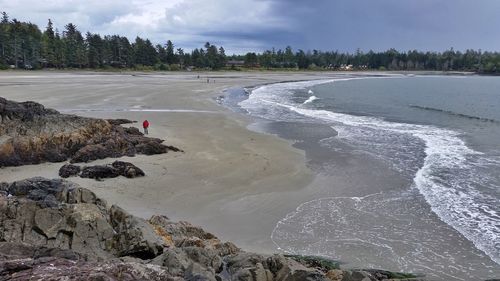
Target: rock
(120, 121)
(184, 234)
(335, 274)
(128, 170)
(249, 266)
(135, 237)
(56, 230)
(25, 111)
(151, 148)
(357, 275)
(54, 265)
(32, 134)
(133, 131)
(74, 220)
(99, 172)
(69, 170)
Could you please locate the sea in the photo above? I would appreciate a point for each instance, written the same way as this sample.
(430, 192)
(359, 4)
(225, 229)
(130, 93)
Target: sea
(408, 170)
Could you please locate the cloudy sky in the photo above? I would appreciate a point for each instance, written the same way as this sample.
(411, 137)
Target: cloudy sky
(244, 25)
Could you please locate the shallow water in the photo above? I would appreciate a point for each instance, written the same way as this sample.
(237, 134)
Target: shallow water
(428, 197)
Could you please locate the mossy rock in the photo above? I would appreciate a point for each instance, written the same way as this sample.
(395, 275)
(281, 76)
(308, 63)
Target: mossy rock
(323, 263)
(402, 275)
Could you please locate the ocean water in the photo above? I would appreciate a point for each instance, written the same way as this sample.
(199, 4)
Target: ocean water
(408, 170)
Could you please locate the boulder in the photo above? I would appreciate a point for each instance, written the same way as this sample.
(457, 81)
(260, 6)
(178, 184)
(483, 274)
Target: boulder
(69, 170)
(183, 234)
(75, 219)
(21, 262)
(135, 237)
(117, 168)
(99, 172)
(151, 148)
(127, 169)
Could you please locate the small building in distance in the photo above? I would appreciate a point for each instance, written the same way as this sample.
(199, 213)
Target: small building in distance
(346, 67)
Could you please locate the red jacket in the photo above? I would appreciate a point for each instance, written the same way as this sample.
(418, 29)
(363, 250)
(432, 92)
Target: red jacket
(145, 124)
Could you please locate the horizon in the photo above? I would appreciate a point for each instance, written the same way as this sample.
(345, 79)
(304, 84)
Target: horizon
(434, 26)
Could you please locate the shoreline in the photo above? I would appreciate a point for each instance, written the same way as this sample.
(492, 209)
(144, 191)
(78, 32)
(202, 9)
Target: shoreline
(233, 180)
(432, 215)
(224, 182)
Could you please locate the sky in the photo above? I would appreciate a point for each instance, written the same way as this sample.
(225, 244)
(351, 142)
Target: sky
(256, 25)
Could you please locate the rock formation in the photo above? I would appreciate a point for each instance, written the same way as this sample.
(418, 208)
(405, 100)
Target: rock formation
(117, 168)
(56, 230)
(32, 134)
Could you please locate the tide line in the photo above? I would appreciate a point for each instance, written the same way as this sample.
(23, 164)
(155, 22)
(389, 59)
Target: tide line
(136, 110)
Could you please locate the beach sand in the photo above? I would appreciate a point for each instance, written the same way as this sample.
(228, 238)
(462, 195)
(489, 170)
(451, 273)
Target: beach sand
(230, 180)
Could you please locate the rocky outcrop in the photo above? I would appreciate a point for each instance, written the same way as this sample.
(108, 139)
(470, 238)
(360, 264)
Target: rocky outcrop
(127, 169)
(69, 170)
(20, 262)
(56, 230)
(117, 168)
(99, 172)
(59, 214)
(32, 134)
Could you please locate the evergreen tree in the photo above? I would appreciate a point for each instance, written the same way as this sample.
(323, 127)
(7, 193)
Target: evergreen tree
(95, 50)
(170, 56)
(75, 51)
(49, 45)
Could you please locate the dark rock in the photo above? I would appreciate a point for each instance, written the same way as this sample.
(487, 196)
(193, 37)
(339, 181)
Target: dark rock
(135, 237)
(69, 170)
(151, 148)
(56, 230)
(133, 131)
(29, 267)
(25, 111)
(99, 172)
(120, 121)
(32, 134)
(127, 169)
(183, 234)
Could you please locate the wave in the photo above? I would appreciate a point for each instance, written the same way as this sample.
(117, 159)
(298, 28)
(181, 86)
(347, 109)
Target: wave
(454, 113)
(310, 99)
(360, 225)
(454, 200)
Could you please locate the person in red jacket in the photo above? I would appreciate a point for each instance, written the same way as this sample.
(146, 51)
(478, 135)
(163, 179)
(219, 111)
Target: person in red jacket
(145, 125)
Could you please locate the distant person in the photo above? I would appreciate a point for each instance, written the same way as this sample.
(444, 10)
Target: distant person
(145, 125)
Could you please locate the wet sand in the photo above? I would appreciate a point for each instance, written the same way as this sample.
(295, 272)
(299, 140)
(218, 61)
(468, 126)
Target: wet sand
(232, 181)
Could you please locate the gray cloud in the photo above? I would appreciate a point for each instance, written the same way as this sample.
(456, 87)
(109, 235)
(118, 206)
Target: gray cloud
(260, 24)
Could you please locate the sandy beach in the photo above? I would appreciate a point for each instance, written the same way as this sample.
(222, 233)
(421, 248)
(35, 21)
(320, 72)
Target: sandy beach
(232, 181)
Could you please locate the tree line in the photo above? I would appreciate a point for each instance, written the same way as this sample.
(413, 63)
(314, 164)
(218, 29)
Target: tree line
(24, 45)
(450, 60)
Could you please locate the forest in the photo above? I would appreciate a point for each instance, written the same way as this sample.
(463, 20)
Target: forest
(24, 45)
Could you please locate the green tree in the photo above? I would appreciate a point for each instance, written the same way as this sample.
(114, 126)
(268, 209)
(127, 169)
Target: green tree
(170, 55)
(49, 45)
(251, 59)
(75, 50)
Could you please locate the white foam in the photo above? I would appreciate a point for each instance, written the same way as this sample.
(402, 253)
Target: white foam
(310, 99)
(310, 92)
(454, 200)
